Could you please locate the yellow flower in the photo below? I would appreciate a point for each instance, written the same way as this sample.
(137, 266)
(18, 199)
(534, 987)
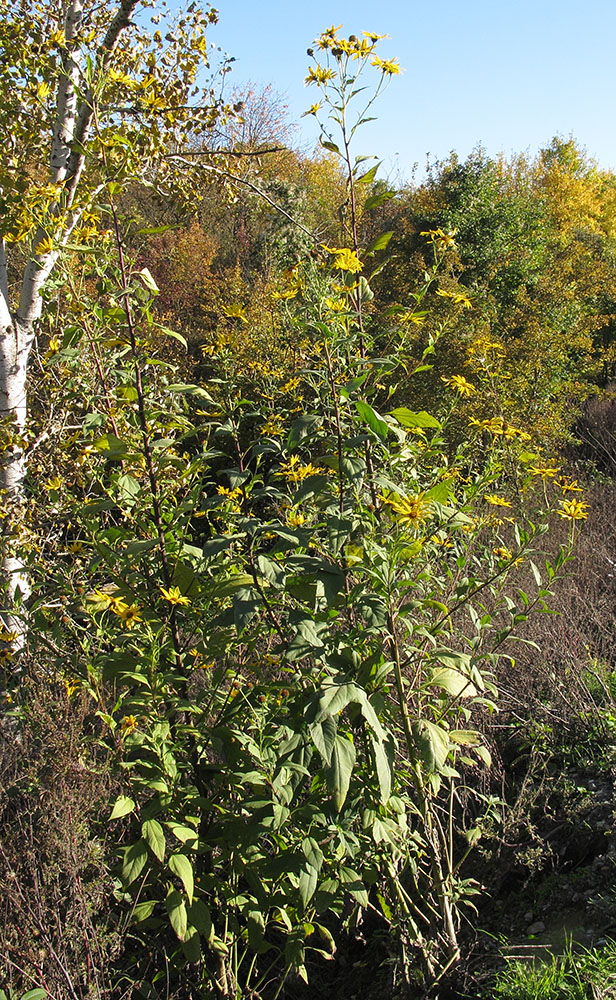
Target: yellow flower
(346, 259)
(574, 510)
(71, 686)
(570, 487)
(318, 75)
(128, 723)
(128, 614)
(273, 427)
(502, 553)
(390, 67)
(548, 472)
(174, 595)
(458, 298)
(441, 239)
(296, 472)
(295, 519)
(495, 425)
(313, 109)
(496, 501)
(410, 510)
(230, 494)
(460, 384)
(335, 305)
(372, 35)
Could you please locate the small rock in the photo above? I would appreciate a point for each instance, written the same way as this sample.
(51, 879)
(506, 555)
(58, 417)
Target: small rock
(528, 916)
(537, 928)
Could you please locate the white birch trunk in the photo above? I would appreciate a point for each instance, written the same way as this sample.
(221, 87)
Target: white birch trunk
(73, 121)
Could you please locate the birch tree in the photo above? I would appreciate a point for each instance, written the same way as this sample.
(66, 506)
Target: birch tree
(93, 96)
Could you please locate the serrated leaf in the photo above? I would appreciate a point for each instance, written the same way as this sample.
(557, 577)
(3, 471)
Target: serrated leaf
(122, 806)
(181, 866)
(154, 836)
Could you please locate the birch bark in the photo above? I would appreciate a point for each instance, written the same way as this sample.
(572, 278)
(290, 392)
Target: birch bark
(18, 322)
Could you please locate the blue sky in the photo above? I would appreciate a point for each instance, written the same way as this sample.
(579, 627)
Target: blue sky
(509, 75)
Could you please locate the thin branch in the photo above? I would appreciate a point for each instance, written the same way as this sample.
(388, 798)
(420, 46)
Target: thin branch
(248, 184)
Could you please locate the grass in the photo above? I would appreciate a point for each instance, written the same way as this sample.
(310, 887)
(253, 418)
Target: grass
(575, 975)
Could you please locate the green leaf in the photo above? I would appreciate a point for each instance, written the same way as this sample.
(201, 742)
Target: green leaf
(256, 932)
(313, 853)
(408, 418)
(323, 735)
(369, 175)
(181, 866)
(143, 910)
(154, 836)
(465, 737)
(191, 390)
(191, 945)
(432, 744)
(373, 419)
(333, 698)
(330, 145)
(176, 908)
(452, 681)
(148, 280)
(174, 335)
(338, 774)
(378, 199)
(306, 641)
(353, 884)
(36, 994)
(383, 768)
(379, 243)
(304, 427)
(307, 884)
(185, 834)
(200, 918)
(128, 488)
(122, 806)
(111, 445)
(135, 858)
